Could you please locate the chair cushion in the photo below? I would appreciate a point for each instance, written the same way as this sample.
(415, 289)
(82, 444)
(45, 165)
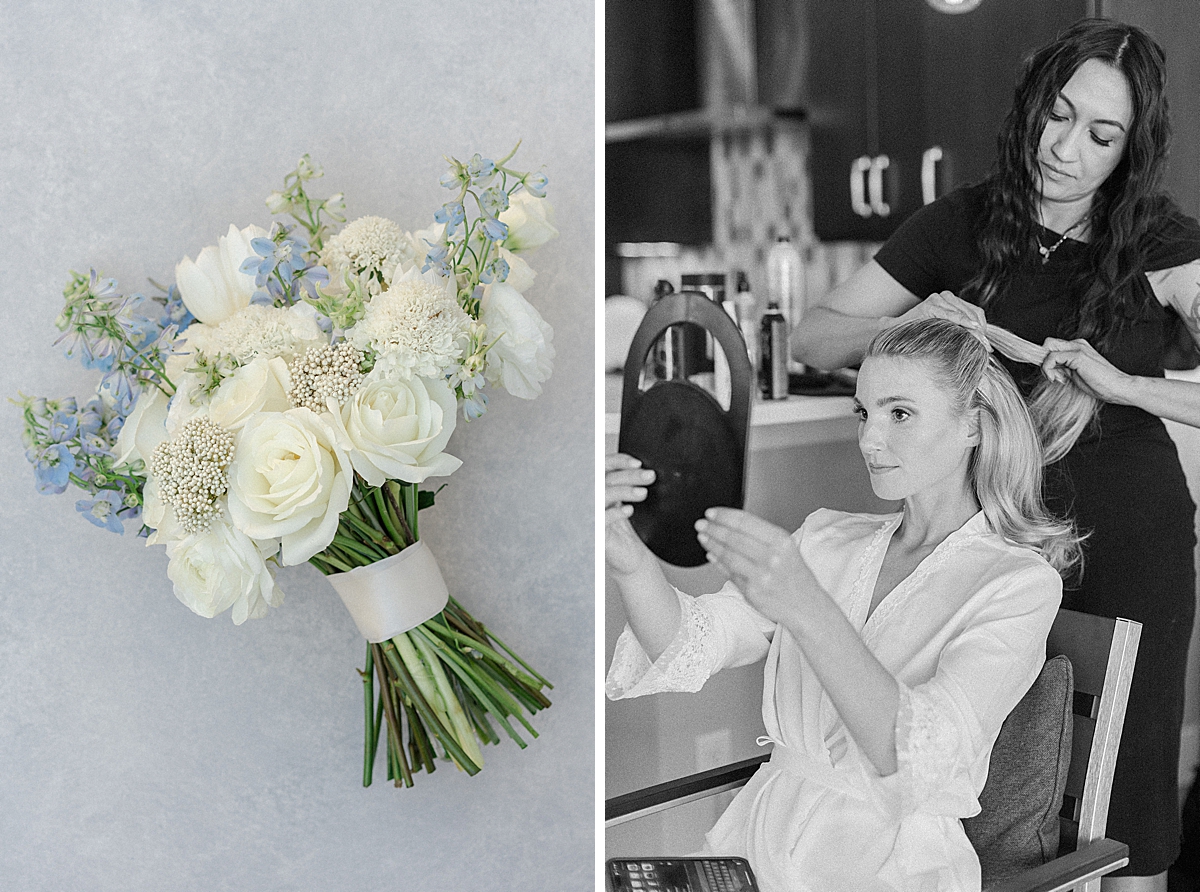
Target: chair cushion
(1018, 826)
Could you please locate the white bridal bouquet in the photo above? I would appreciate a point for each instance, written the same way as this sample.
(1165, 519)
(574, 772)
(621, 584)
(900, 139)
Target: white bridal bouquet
(284, 401)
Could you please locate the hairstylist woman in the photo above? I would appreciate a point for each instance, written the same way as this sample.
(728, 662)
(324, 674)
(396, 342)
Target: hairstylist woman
(1071, 245)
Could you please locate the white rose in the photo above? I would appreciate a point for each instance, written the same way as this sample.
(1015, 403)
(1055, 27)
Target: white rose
(212, 287)
(522, 354)
(520, 273)
(259, 386)
(220, 568)
(289, 479)
(398, 428)
(530, 222)
(144, 428)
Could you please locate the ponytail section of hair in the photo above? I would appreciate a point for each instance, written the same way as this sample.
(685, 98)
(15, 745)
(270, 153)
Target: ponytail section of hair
(1061, 412)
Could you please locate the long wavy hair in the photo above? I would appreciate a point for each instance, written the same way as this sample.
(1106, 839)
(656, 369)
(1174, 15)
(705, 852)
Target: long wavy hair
(1005, 468)
(1123, 207)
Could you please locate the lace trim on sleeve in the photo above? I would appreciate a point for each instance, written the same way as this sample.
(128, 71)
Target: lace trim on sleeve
(927, 750)
(685, 665)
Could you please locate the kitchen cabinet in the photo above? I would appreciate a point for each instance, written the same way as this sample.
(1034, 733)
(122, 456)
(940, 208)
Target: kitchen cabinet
(904, 102)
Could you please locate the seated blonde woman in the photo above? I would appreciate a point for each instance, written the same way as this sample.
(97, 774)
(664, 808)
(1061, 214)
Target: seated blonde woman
(895, 645)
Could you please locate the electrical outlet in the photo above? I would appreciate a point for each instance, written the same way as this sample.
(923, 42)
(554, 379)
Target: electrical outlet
(714, 749)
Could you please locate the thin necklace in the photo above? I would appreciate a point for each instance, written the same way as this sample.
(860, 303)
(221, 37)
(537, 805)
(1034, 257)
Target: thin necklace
(1046, 252)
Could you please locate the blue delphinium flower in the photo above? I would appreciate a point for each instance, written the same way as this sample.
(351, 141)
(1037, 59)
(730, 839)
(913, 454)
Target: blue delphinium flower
(176, 312)
(481, 170)
(91, 417)
(535, 184)
(493, 201)
(494, 229)
(102, 510)
(102, 289)
(452, 213)
(310, 277)
(94, 444)
(496, 271)
(436, 257)
(474, 405)
(52, 468)
(62, 426)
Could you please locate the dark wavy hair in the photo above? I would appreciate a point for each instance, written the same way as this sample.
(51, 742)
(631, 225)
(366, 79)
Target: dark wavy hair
(1125, 203)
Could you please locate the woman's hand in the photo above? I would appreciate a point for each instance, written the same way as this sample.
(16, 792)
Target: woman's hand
(949, 306)
(1077, 362)
(761, 559)
(625, 480)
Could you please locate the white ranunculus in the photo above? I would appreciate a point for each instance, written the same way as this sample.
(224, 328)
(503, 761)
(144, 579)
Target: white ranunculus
(521, 358)
(220, 568)
(530, 222)
(520, 273)
(259, 386)
(289, 479)
(212, 287)
(144, 428)
(397, 429)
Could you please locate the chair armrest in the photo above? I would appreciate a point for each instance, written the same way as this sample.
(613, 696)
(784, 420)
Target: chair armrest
(1068, 871)
(670, 793)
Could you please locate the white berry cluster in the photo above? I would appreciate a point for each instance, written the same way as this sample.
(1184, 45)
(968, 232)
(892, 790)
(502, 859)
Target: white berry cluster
(322, 372)
(191, 472)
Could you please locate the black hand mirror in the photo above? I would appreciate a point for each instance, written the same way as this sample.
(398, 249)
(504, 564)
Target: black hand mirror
(696, 448)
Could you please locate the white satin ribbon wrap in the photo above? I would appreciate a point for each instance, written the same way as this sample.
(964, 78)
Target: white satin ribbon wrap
(393, 595)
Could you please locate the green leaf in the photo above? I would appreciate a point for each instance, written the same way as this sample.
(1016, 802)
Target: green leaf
(425, 497)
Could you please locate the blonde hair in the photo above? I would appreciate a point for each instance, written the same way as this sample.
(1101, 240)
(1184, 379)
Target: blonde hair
(1062, 412)
(1006, 466)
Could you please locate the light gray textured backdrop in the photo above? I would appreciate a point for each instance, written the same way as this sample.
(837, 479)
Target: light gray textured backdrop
(142, 747)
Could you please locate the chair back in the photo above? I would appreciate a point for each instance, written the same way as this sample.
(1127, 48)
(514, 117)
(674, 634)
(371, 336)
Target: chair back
(1102, 652)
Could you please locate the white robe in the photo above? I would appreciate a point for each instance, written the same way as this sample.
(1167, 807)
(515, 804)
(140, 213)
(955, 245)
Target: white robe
(964, 635)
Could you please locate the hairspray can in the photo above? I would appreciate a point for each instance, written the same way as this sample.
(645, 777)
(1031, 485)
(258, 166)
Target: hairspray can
(774, 354)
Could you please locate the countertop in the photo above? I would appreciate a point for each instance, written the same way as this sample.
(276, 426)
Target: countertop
(774, 424)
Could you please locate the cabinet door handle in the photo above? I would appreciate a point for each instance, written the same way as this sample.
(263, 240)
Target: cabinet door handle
(858, 169)
(875, 185)
(929, 159)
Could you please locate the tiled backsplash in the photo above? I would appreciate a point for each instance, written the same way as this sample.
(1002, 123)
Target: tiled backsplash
(761, 190)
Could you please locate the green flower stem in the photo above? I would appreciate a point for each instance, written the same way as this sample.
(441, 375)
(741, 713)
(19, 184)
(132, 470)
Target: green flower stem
(487, 701)
(411, 501)
(392, 490)
(393, 720)
(367, 552)
(389, 524)
(370, 738)
(468, 642)
(450, 702)
(362, 508)
(425, 711)
(420, 747)
(351, 524)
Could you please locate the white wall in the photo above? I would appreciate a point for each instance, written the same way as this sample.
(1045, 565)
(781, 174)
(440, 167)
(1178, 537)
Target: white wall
(145, 748)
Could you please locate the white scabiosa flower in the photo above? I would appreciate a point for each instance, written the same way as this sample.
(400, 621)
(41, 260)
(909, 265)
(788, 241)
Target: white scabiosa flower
(212, 286)
(416, 326)
(522, 354)
(370, 248)
(258, 330)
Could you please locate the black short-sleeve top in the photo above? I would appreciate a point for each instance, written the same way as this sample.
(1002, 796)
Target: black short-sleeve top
(935, 250)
